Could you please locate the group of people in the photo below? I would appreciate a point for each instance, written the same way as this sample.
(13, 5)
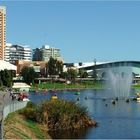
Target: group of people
(18, 96)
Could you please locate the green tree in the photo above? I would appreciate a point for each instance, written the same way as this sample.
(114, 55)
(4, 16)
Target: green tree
(54, 67)
(82, 73)
(6, 78)
(72, 74)
(51, 67)
(29, 74)
(85, 74)
(59, 67)
(64, 75)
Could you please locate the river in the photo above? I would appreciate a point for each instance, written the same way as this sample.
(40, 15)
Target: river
(119, 121)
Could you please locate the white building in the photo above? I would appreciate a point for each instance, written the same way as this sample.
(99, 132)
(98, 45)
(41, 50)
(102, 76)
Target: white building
(44, 53)
(17, 52)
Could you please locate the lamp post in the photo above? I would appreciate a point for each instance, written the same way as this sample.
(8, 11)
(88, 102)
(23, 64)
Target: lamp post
(94, 72)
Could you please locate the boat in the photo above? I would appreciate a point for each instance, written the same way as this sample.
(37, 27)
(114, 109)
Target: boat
(25, 99)
(138, 95)
(138, 99)
(54, 97)
(77, 93)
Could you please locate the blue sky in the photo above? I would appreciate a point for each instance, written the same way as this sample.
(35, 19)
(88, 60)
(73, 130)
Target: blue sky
(83, 30)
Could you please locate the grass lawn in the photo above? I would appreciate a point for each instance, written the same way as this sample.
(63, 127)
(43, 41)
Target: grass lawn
(48, 85)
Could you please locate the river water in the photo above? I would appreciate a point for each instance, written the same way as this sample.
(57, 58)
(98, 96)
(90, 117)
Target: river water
(119, 121)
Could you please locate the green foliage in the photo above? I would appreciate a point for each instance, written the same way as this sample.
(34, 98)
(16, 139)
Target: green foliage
(51, 67)
(72, 74)
(32, 125)
(85, 75)
(58, 114)
(29, 111)
(28, 74)
(81, 84)
(6, 78)
(30, 105)
(64, 75)
(59, 67)
(54, 67)
(136, 86)
(82, 73)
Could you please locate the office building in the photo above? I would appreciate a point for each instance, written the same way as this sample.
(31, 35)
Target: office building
(2, 31)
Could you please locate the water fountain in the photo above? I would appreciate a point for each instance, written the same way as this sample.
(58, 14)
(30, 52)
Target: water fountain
(119, 80)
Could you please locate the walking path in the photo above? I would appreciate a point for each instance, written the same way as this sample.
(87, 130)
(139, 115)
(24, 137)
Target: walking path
(4, 99)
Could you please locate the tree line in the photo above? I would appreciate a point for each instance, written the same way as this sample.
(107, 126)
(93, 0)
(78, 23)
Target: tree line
(53, 68)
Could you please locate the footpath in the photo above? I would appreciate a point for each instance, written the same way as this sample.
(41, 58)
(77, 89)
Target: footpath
(4, 99)
(7, 105)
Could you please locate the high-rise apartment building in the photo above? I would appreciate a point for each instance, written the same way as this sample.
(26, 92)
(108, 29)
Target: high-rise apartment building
(44, 53)
(2, 31)
(17, 52)
(37, 55)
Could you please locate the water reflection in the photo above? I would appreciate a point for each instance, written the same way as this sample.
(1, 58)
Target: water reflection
(121, 120)
(69, 134)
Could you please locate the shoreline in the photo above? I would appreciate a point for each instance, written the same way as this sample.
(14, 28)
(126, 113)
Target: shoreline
(62, 89)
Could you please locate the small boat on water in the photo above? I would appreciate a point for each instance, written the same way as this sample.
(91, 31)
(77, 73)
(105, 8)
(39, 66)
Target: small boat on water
(138, 97)
(138, 94)
(77, 93)
(25, 99)
(54, 97)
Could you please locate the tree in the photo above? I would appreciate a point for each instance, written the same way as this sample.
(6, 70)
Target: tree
(28, 74)
(59, 67)
(64, 75)
(83, 73)
(51, 67)
(54, 67)
(72, 74)
(6, 78)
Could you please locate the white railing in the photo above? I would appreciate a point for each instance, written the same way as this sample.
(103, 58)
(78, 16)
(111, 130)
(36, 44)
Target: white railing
(12, 107)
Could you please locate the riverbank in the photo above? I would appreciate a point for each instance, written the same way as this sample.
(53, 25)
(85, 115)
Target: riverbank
(44, 87)
(35, 122)
(136, 85)
(62, 86)
(16, 126)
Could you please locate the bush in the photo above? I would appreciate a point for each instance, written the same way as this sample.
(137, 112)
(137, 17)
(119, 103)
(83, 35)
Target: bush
(58, 114)
(29, 111)
(31, 105)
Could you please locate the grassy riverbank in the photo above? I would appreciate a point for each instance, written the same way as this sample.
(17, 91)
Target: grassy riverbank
(62, 86)
(136, 86)
(35, 121)
(16, 126)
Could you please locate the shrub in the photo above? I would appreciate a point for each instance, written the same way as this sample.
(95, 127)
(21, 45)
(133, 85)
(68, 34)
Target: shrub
(30, 105)
(59, 114)
(29, 111)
